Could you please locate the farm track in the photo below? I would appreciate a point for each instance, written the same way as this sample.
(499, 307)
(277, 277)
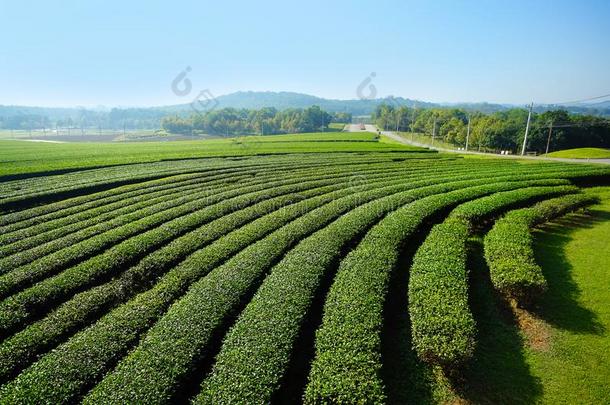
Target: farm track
(202, 279)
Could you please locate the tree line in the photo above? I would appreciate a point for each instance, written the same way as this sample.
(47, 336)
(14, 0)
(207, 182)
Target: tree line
(232, 121)
(503, 130)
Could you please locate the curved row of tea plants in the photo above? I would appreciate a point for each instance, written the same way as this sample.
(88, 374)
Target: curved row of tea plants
(508, 246)
(442, 324)
(83, 308)
(347, 362)
(206, 278)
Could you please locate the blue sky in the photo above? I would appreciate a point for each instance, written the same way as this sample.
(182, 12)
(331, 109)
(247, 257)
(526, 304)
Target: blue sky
(89, 53)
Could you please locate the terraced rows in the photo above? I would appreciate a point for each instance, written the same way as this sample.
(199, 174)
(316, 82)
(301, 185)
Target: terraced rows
(249, 280)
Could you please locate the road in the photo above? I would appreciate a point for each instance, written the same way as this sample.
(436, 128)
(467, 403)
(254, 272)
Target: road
(398, 138)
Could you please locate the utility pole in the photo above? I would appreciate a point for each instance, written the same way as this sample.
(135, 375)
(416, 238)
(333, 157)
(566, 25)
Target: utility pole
(433, 131)
(468, 133)
(527, 129)
(548, 141)
(413, 126)
(397, 120)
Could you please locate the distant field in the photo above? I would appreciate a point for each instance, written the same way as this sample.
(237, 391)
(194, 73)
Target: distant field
(582, 153)
(28, 157)
(337, 126)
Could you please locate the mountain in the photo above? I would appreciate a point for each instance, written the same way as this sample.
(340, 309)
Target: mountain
(284, 100)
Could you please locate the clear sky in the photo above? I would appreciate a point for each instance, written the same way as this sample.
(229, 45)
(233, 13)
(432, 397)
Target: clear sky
(89, 53)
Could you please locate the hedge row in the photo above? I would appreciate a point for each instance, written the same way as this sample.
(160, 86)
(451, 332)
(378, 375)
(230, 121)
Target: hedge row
(47, 212)
(65, 252)
(509, 252)
(442, 325)
(22, 306)
(347, 362)
(49, 187)
(21, 348)
(267, 329)
(41, 186)
(32, 216)
(82, 215)
(46, 236)
(133, 213)
(19, 192)
(206, 307)
(144, 376)
(61, 375)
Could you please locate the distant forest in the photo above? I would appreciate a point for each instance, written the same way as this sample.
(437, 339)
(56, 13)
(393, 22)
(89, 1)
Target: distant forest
(232, 121)
(502, 130)
(33, 118)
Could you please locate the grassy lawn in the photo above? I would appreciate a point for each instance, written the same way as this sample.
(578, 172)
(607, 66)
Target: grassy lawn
(426, 140)
(576, 366)
(32, 157)
(582, 153)
(336, 126)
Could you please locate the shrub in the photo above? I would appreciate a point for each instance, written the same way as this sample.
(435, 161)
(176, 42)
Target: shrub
(348, 344)
(509, 252)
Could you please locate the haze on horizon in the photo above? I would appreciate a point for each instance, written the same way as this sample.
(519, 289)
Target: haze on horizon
(114, 53)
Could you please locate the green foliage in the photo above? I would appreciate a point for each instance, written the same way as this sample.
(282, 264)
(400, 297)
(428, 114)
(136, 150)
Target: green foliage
(231, 121)
(60, 375)
(508, 247)
(122, 289)
(500, 130)
(442, 326)
(348, 344)
(18, 349)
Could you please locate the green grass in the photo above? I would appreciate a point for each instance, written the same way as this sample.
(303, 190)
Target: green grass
(336, 126)
(427, 140)
(574, 255)
(30, 157)
(582, 153)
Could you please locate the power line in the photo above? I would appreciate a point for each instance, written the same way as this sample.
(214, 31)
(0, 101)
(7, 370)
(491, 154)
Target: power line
(582, 100)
